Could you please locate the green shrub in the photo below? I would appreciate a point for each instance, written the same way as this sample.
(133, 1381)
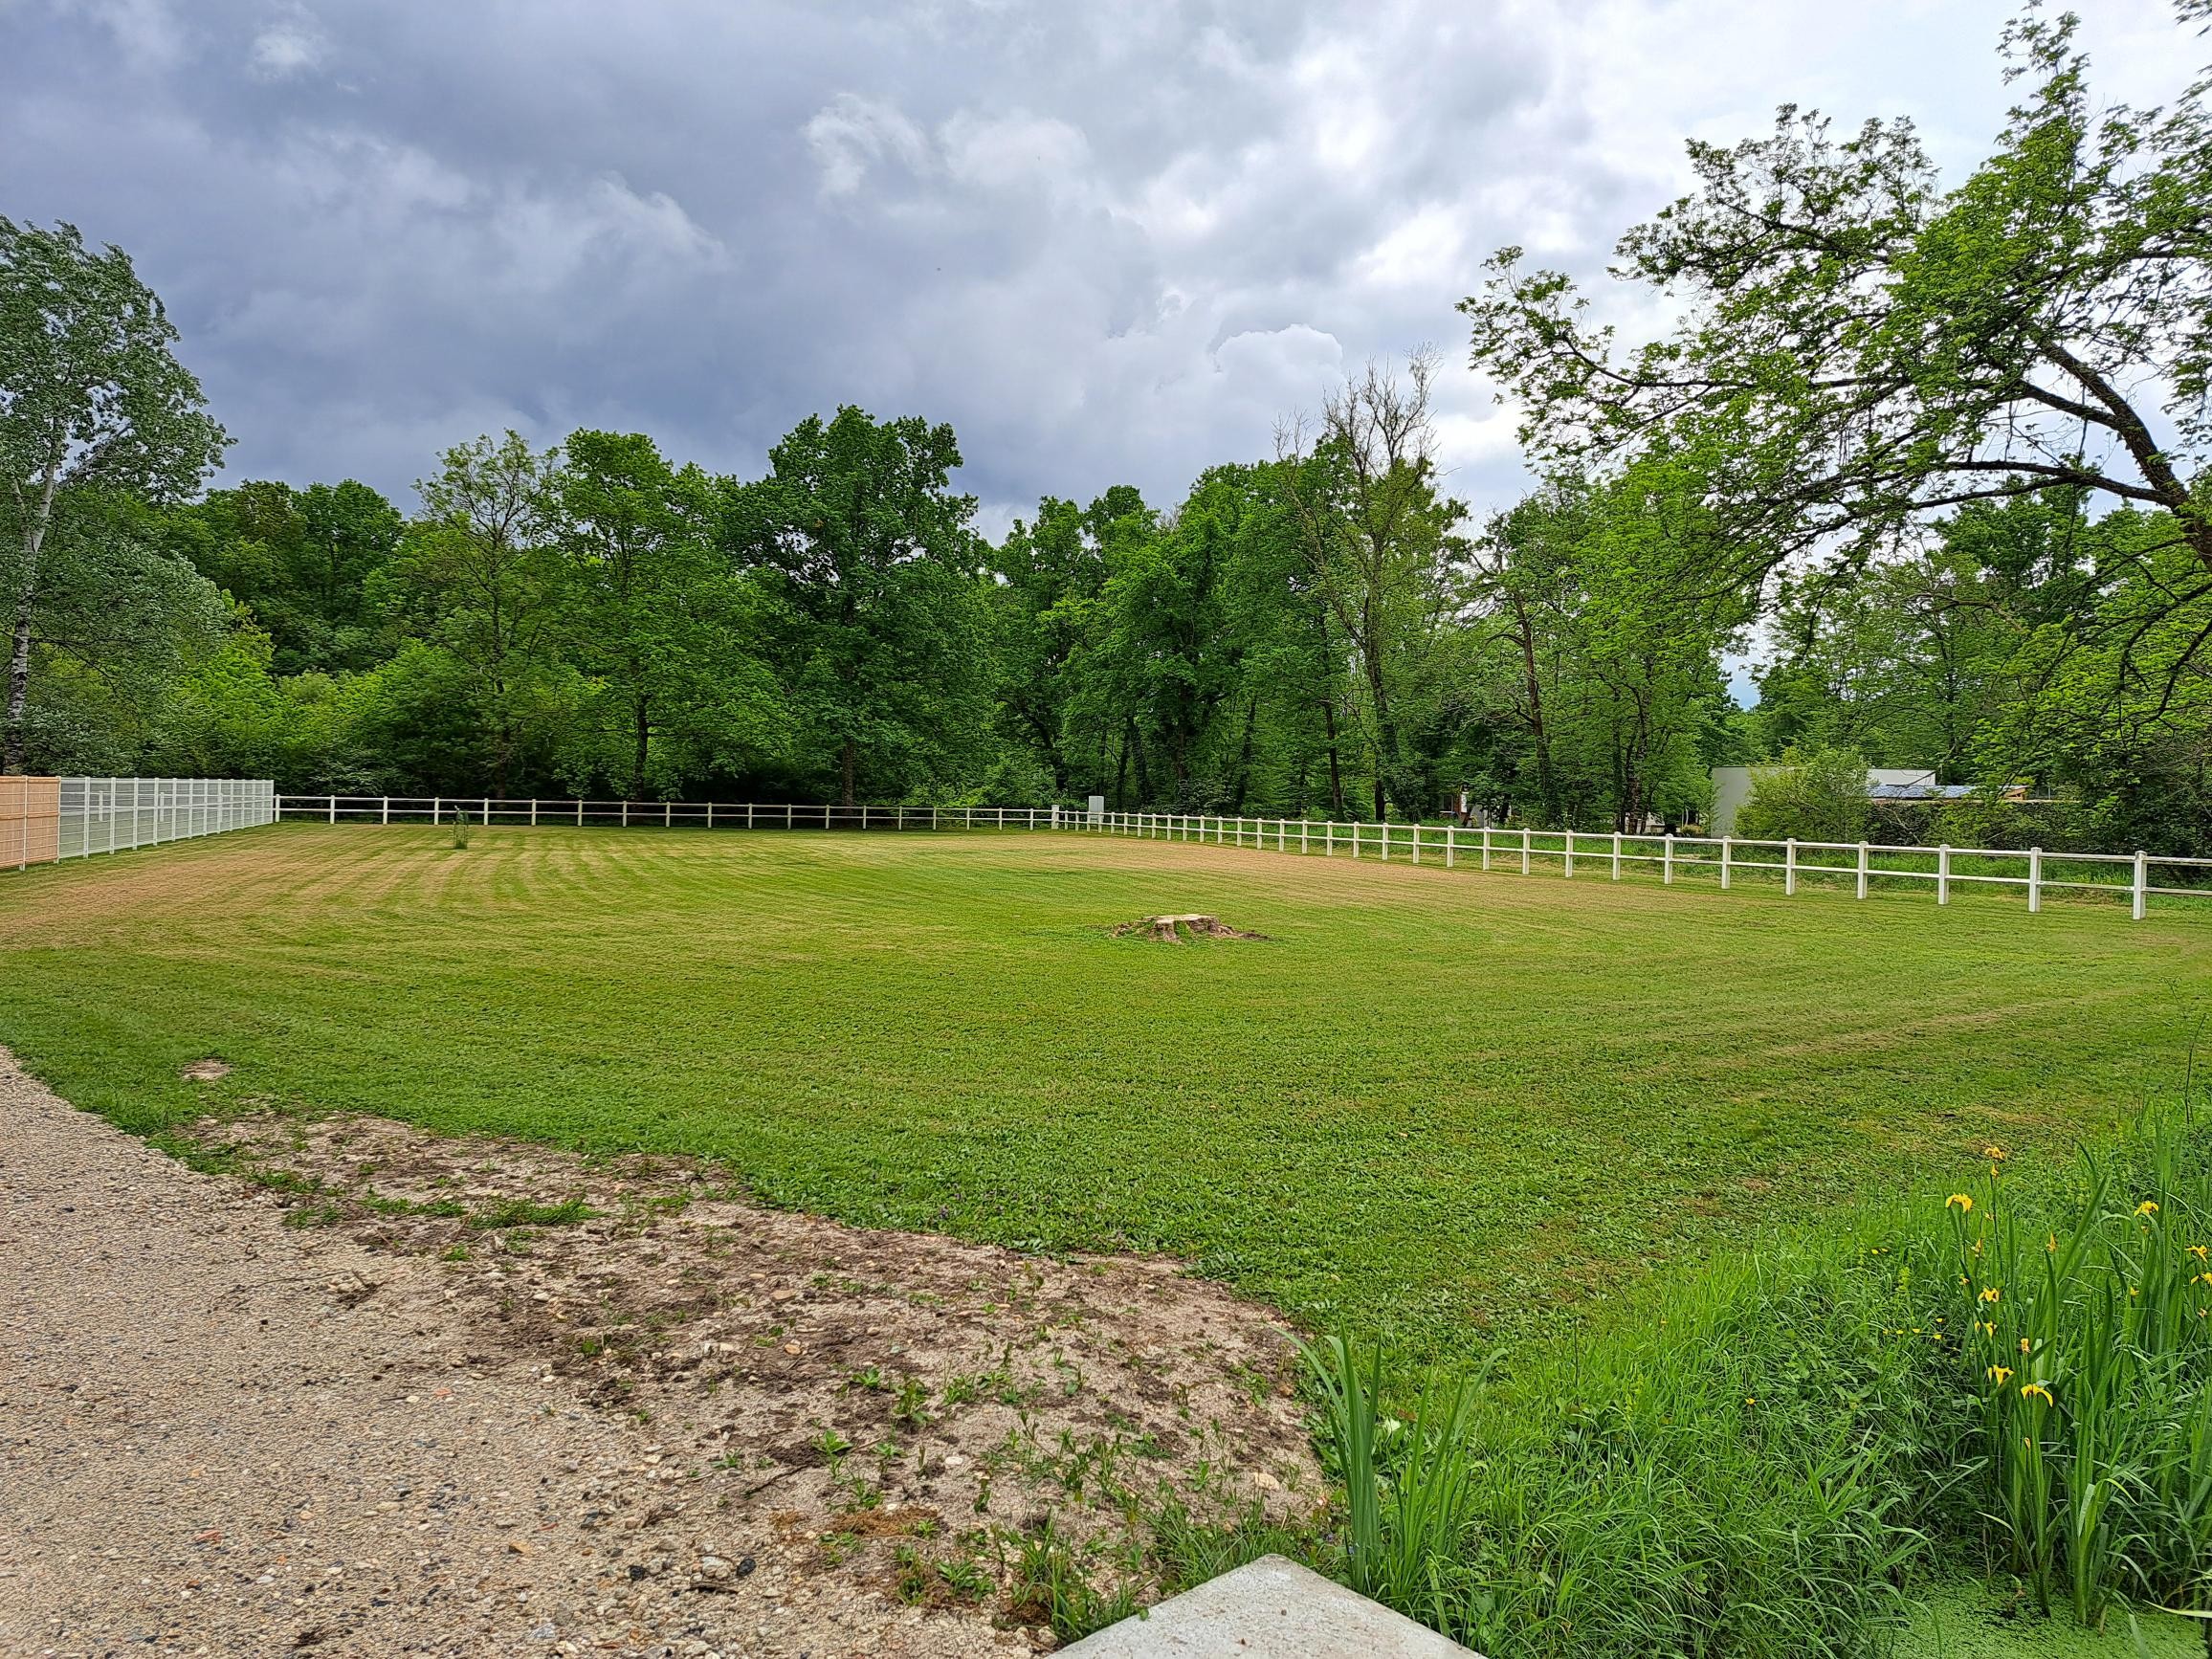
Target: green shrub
(1811, 794)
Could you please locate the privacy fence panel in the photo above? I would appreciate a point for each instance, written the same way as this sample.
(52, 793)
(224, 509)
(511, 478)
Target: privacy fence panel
(30, 821)
(45, 820)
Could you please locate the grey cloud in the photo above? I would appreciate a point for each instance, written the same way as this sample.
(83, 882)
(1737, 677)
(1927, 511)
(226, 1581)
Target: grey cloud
(1108, 242)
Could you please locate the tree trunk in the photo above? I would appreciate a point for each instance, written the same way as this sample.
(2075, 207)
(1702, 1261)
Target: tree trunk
(851, 768)
(1387, 745)
(637, 759)
(1243, 762)
(1547, 781)
(1336, 765)
(1144, 776)
(12, 741)
(12, 752)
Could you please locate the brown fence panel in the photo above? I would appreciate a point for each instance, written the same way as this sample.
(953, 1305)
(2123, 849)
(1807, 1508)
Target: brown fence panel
(30, 821)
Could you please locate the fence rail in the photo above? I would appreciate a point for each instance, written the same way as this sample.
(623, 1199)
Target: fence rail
(46, 820)
(1862, 865)
(2034, 870)
(665, 814)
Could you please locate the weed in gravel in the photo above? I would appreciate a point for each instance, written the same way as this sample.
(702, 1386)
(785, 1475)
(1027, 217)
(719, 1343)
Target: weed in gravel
(912, 1407)
(1050, 1587)
(522, 1212)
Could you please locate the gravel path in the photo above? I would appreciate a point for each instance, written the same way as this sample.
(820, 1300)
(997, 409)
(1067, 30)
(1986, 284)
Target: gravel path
(221, 1436)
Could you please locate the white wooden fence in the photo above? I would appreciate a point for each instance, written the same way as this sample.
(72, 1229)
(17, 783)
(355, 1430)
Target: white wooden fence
(112, 814)
(666, 814)
(1677, 857)
(1725, 860)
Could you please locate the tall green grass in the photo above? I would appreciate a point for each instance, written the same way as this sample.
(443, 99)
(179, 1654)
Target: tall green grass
(2017, 1380)
(2090, 1321)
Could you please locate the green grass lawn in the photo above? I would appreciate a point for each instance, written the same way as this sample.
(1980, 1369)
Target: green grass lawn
(1445, 1104)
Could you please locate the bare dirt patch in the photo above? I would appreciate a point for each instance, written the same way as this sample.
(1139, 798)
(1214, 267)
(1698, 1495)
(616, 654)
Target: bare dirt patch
(628, 1416)
(206, 1071)
(1180, 929)
(902, 1412)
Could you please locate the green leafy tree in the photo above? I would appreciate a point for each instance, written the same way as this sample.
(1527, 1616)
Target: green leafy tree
(1860, 348)
(477, 576)
(94, 407)
(307, 563)
(654, 613)
(1049, 572)
(1384, 549)
(1606, 649)
(877, 618)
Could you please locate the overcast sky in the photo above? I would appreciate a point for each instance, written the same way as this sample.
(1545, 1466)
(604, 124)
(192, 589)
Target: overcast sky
(1110, 243)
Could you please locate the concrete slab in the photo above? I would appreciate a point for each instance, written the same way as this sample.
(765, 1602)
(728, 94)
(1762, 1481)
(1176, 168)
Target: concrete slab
(1271, 1609)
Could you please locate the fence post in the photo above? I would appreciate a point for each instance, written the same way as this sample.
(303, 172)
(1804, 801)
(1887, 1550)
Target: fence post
(1943, 875)
(485, 817)
(334, 809)
(626, 812)
(1727, 847)
(579, 812)
(2034, 880)
(1666, 861)
(1447, 845)
(1527, 842)
(1570, 860)
(1486, 846)
(1789, 866)
(666, 814)
(386, 818)
(2142, 889)
(1616, 855)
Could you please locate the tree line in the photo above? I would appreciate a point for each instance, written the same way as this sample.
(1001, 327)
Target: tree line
(1935, 456)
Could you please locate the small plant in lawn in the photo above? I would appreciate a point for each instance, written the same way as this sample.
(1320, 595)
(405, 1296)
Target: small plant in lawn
(461, 827)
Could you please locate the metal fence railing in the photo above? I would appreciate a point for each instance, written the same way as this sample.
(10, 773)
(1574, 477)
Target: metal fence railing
(46, 820)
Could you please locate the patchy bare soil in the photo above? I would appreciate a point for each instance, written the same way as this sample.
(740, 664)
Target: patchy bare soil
(1182, 929)
(370, 1391)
